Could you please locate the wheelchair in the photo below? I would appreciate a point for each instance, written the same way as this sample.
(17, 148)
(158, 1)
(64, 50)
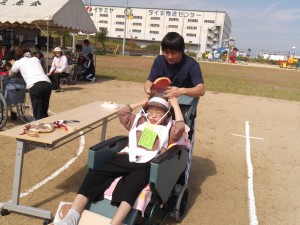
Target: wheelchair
(72, 77)
(169, 189)
(13, 94)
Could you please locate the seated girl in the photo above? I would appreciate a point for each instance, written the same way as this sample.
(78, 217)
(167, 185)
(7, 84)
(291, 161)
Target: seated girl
(59, 69)
(80, 65)
(89, 68)
(149, 131)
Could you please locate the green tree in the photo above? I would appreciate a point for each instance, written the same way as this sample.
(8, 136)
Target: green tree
(65, 36)
(101, 36)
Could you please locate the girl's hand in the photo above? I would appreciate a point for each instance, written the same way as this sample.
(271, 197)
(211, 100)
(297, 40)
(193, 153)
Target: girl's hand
(145, 101)
(174, 102)
(139, 104)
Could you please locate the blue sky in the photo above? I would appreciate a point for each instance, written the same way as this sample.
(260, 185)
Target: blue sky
(269, 25)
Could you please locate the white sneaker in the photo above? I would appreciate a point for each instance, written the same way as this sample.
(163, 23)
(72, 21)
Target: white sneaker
(93, 79)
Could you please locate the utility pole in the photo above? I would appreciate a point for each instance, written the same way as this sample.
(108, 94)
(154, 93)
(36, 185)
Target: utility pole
(124, 36)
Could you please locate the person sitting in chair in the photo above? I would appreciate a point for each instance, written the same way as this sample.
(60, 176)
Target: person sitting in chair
(59, 68)
(150, 130)
(89, 68)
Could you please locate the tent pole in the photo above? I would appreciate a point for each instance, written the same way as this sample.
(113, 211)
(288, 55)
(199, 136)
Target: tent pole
(73, 43)
(47, 61)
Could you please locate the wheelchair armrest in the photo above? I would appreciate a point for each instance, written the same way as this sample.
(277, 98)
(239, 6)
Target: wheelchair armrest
(166, 170)
(105, 151)
(168, 154)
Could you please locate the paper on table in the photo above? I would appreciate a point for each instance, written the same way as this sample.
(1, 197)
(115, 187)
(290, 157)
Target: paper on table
(111, 105)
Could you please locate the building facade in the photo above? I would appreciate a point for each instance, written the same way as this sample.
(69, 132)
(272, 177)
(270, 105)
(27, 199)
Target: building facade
(201, 30)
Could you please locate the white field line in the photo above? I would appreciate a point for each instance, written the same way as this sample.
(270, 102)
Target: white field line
(60, 170)
(251, 198)
(238, 135)
(56, 173)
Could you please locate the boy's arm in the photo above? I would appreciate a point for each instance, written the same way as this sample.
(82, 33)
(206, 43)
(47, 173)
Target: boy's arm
(147, 87)
(174, 92)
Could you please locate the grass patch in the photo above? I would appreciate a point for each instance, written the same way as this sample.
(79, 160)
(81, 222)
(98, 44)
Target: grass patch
(235, 79)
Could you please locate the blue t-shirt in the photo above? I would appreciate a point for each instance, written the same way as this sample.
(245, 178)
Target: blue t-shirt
(186, 73)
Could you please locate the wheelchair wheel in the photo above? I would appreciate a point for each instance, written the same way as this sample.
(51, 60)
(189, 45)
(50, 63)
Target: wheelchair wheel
(3, 111)
(24, 110)
(181, 204)
(4, 212)
(73, 75)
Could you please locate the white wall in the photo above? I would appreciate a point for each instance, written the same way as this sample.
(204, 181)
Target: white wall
(150, 25)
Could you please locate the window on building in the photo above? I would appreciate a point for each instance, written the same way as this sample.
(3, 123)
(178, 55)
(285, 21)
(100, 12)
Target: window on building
(190, 35)
(137, 24)
(154, 25)
(155, 18)
(190, 42)
(172, 26)
(153, 39)
(137, 17)
(103, 21)
(209, 21)
(136, 31)
(120, 16)
(119, 29)
(120, 23)
(103, 15)
(173, 19)
(191, 28)
(154, 32)
(193, 20)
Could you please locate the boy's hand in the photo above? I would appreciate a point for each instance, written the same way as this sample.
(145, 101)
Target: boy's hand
(173, 92)
(150, 92)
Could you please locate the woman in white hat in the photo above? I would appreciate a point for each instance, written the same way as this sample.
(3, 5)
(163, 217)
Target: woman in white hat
(59, 68)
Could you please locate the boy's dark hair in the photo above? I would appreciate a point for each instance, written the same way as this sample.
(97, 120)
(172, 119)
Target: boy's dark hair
(173, 41)
(90, 55)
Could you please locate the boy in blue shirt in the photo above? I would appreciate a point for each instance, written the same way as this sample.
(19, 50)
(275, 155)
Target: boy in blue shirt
(183, 70)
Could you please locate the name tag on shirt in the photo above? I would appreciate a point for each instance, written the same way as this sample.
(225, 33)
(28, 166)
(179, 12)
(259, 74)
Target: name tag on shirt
(147, 138)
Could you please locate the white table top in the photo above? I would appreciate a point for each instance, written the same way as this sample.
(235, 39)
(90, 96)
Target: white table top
(88, 115)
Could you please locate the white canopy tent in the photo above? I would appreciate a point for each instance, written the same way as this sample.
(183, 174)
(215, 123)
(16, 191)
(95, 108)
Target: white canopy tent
(62, 15)
(67, 15)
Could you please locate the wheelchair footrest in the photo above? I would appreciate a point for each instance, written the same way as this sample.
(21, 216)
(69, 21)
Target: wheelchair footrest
(91, 218)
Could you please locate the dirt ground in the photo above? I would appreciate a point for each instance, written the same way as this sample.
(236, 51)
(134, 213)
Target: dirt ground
(219, 181)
